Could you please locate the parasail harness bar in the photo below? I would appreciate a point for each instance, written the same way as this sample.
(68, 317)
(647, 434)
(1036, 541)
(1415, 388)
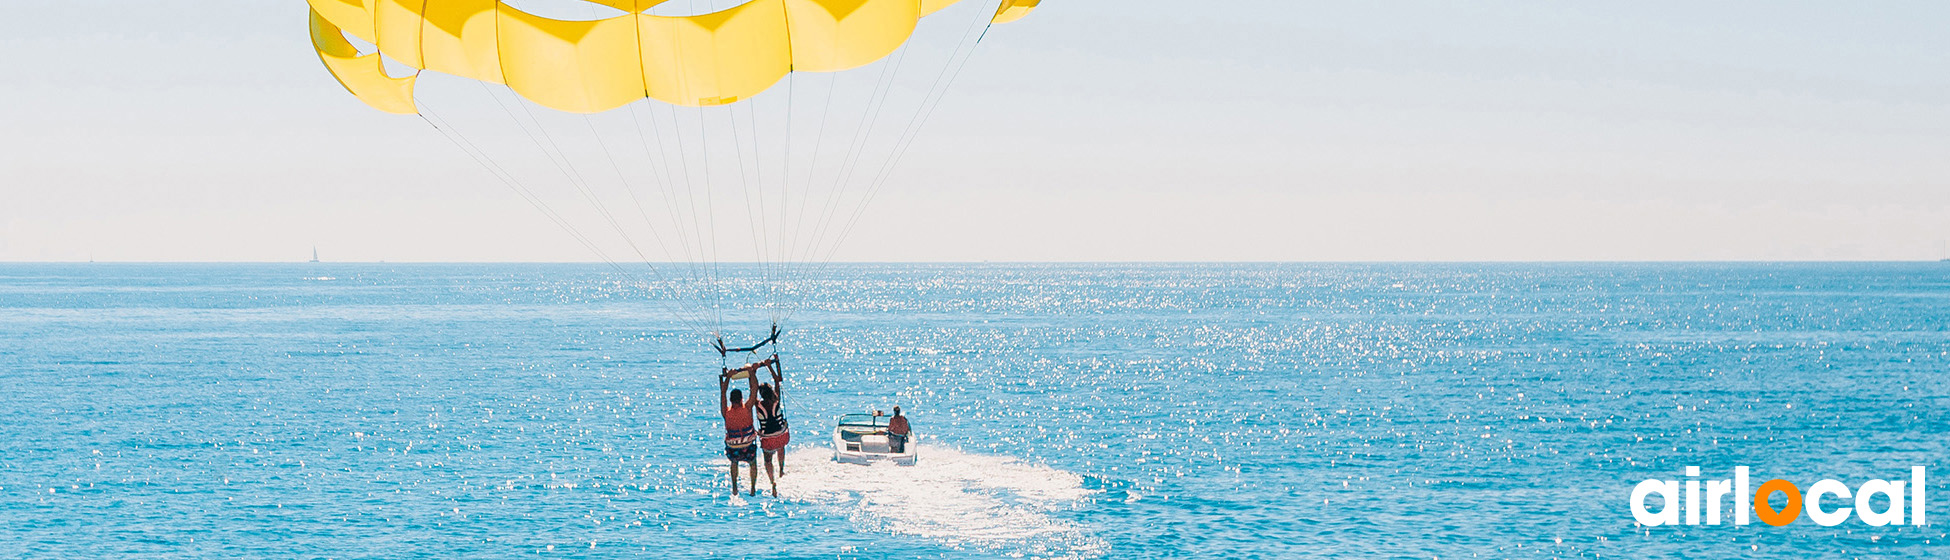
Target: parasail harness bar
(769, 340)
(770, 364)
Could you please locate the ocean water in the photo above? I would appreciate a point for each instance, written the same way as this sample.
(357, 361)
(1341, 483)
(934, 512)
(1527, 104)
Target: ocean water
(1070, 411)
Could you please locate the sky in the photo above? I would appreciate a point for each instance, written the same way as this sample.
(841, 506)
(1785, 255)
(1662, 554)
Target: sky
(1093, 130)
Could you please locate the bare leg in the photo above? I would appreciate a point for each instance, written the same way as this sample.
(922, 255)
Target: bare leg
(754, 465)
(769, 477)
(781, 462)
(734, 478)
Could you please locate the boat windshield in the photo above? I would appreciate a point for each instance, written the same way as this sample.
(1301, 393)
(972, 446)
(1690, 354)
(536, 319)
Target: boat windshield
(862, 421)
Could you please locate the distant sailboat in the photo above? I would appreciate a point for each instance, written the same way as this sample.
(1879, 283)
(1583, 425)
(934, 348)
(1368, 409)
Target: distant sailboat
(314, 254)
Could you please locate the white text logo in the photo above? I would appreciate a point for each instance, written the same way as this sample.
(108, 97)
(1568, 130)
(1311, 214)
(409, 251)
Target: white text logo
(1749, 502)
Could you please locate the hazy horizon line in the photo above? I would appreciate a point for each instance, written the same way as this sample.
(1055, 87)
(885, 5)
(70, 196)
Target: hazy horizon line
(722, 263)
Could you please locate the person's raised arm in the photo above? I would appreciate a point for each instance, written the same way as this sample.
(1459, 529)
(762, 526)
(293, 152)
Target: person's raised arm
(778, 379)
(723, 383)
(751, 379)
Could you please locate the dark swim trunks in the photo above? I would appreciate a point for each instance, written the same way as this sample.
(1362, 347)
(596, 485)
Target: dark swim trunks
(739, 444)
(744, 454)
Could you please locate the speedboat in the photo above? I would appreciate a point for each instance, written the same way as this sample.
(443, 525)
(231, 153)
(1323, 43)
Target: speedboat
(862, 439)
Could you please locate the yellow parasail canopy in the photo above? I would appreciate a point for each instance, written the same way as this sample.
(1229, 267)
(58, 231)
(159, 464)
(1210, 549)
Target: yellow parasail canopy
(362, 74)
(1012, 10)
(593, 66)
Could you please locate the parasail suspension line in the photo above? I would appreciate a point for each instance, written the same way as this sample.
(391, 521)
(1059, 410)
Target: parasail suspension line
(936, 92)
(507, 179)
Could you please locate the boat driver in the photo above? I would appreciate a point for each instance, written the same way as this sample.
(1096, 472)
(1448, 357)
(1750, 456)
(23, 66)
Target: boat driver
(897, 431)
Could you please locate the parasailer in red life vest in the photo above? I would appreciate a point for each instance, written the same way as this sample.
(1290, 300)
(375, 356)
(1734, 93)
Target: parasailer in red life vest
(740, 441)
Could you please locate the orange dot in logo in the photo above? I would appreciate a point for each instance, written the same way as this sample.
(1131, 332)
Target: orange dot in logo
(1777, 517)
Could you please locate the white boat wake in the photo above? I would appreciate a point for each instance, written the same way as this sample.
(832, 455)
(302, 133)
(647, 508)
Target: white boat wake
(957, 498)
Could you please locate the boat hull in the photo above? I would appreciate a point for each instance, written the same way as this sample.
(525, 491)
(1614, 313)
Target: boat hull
(853, 454)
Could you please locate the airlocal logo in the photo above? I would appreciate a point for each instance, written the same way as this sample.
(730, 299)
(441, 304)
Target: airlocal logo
(1749, 502)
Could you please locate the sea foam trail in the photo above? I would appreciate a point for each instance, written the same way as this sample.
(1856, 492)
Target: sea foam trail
(957, 498)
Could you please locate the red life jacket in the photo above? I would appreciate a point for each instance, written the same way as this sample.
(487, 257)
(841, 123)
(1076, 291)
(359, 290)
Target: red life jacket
(738, 425)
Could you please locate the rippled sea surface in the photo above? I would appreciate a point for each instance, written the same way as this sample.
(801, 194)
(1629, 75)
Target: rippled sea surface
(1274, 411)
